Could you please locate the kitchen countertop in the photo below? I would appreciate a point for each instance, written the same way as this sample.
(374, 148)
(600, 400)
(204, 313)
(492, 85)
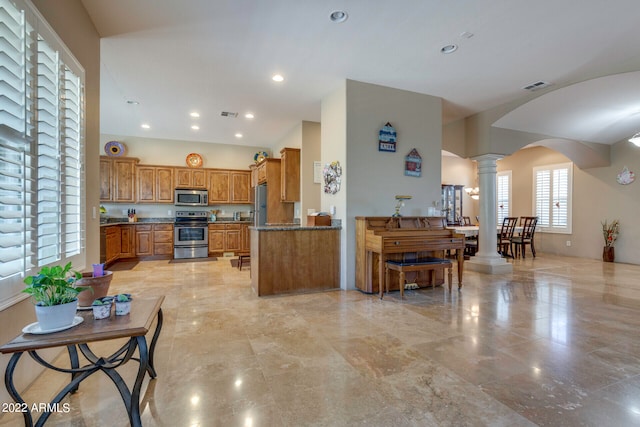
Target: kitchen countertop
(289, 227)
(125, 221)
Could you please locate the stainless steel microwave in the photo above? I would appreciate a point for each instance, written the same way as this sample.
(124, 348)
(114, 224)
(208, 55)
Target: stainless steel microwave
(191, 197)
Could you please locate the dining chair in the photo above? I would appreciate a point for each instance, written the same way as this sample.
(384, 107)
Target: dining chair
(465, 220)
(526, 236)
(506, 234)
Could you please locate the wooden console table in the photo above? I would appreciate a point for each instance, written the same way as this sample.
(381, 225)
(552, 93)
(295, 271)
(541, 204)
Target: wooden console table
(134, 326)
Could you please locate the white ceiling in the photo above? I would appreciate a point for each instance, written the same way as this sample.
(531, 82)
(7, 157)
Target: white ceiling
(174, 57)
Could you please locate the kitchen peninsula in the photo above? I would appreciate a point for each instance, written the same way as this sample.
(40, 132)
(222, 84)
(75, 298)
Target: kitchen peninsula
(294, 259)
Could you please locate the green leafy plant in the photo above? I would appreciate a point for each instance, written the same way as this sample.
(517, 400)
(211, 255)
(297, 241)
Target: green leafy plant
(53, 285)
(123, 298)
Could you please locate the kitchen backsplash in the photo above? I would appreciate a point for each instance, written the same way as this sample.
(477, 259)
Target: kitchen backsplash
(119, 210)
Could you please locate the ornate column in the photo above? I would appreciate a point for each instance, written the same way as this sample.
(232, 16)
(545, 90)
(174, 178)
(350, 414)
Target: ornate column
(487, 259)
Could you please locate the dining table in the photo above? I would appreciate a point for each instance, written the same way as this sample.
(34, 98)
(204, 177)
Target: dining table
(85, 331)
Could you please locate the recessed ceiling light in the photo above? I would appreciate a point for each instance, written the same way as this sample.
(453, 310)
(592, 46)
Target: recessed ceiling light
(450, 48)
(249, 116)
(277, 78)
(338, 16)
(194, 114)
(145, 126)
(132, 102)
(238, 135)
(195, 127)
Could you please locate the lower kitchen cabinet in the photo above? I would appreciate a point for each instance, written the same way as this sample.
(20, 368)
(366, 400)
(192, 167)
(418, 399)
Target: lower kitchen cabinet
(163, 239)
(144, 240)
(127, 241)
(225, 238)
(113, 241)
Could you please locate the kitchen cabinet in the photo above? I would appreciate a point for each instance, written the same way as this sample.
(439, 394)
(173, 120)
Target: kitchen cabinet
(218, 186)
(163, 239)
(245, 235)
(144, 240)
(290, 175)
(261, 172)
(190, 178)
(277, 211)
(225, 238)
(117, 179)
(241, 187)
(112, 243)
(154, 184)
(127, 241)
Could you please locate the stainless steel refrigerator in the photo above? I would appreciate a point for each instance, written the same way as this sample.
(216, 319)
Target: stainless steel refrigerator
(260, 215)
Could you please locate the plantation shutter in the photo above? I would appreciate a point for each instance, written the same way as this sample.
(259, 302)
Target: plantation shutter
(41, 149)
(503, 195)
(552, 197)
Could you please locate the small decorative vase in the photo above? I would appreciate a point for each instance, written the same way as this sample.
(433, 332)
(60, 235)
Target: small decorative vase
(101, 311)
(608, 254)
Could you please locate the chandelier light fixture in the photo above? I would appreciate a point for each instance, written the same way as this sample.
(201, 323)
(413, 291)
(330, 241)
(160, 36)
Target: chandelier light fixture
(635, 139)
(474, 192)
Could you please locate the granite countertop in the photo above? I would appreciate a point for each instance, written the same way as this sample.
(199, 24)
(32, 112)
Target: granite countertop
(125, 221)
(289, 227)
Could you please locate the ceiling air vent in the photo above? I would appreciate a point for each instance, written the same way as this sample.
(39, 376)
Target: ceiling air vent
(228, 114)
(537, 86)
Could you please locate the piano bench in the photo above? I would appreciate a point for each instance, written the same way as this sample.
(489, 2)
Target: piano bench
(426, 264)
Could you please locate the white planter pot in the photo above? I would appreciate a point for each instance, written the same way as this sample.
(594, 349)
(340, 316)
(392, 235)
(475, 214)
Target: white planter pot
(123, 308)
(56, 316)
(101, 311)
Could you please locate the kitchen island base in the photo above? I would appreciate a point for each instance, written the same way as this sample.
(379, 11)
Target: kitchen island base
(286, 260)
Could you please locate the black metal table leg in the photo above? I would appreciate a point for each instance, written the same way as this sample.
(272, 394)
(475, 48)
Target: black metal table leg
(75, 364)
(8, 382)
(152, 349)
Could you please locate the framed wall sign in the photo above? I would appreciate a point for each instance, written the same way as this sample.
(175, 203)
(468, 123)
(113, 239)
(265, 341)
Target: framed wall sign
(413, 164)
(387, 138)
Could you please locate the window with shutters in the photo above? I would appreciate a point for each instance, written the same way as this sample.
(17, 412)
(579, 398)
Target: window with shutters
(41, 149)
(552, 197)
(503, 196)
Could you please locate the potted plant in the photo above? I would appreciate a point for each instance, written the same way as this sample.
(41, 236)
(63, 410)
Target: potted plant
(55, 293)
(94, 287)
(123, 304)
(102, 307)
(610, 233)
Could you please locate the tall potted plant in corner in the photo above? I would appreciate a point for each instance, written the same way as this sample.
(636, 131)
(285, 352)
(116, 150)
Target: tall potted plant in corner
(55, 295)
(610, 233)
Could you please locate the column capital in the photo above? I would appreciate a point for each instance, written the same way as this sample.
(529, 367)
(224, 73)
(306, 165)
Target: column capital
(485, 157)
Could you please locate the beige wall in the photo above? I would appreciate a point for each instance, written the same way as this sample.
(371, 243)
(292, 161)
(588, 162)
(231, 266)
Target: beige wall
(174, 152)
(596, 197)
(311, 192)
(351, 120)
(70, 21)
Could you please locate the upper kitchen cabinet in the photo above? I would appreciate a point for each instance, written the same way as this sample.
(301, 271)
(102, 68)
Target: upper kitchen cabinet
(241, 187)
(229, 186)
(155, 184)
(190, 178)
(290, 175)
(117, 179)
(218, 187)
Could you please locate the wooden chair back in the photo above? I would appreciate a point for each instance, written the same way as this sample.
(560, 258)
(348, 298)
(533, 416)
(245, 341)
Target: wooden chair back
(508, 226)
(529, 226)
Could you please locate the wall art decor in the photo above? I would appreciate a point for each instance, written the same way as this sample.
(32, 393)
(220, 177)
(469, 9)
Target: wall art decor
(413, 164)
(387, 138)
(114, 148)
(332, 177)
(625, 176)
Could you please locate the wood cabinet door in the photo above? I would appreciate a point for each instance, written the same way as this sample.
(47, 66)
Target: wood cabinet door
(218, 187)
(245, 245)
(106, 185)
(164, 185)
(232, 241)
(184, 178)
(146, 183)
(144, 242)
(113, 243)
(216, 240)
(199, 179)
(127, 245)
(290, 174)
(240, 187)
(124, 173)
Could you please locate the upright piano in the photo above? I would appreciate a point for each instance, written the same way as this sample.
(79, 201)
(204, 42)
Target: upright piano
(379, 239)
